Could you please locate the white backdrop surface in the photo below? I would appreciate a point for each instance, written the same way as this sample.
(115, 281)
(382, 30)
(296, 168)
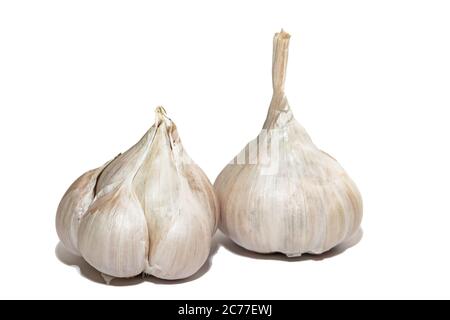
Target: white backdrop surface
(369, 80)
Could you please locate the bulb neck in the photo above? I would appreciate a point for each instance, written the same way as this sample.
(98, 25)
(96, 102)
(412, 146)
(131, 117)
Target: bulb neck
(279, 61)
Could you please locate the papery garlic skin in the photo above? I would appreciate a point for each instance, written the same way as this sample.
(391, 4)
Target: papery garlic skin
(150, 210)
(113, 235)
(73, 206)
(297, 199)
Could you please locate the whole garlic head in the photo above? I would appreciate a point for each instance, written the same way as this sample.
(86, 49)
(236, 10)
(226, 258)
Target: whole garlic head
(150, 210)
(281, 193)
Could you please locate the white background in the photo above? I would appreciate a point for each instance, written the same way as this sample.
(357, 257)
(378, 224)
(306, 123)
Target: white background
(369, 80)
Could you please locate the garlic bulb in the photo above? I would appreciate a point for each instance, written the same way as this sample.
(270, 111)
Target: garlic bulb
(150, 210)
(281, 193)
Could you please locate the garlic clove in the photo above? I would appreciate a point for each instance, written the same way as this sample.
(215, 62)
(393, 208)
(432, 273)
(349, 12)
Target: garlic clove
(292, 197)
(72, 208)
(175, 194)
(125, 164)
(113, 235)
(189, 247)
